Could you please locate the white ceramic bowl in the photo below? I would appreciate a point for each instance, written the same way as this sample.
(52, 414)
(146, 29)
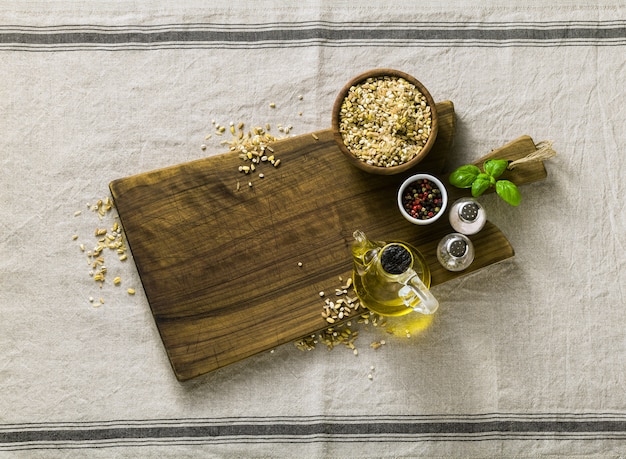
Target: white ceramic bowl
(444, 199)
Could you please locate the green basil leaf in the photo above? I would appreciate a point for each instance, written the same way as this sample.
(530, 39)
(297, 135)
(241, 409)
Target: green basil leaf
(464, 176)
(508, 191)
(495, 167)
(480, 185)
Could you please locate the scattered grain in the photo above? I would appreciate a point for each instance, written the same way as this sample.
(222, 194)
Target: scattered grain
(112, 239)
(251, 147)
(307, 343)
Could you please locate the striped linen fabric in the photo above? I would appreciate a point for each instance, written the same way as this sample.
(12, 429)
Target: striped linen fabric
(506, 388)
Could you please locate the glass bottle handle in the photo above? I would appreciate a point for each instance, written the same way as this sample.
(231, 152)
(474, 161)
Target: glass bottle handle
(417, 296)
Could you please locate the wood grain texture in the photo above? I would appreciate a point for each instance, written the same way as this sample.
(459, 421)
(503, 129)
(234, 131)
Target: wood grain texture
(219, 266)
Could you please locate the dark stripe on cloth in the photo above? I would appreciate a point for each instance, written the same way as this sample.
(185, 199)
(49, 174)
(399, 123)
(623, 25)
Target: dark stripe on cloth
(305, 34)
(303, 430)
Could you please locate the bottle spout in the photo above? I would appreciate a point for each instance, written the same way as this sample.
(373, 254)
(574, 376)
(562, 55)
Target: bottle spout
(363, 252)
(359, 237)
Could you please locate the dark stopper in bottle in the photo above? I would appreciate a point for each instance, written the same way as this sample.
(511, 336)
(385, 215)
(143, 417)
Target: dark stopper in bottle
(396, 259)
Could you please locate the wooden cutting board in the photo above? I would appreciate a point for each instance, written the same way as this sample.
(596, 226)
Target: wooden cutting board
(220, 265)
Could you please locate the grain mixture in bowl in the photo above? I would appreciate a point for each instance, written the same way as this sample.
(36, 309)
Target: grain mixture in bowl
(385, 121)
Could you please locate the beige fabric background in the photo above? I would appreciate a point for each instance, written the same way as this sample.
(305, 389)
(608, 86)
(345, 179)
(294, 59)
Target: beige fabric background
(539, 336)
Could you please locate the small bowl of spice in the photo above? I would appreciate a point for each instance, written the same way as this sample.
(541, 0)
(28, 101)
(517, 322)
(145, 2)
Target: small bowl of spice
(384, 121)
(422, 199)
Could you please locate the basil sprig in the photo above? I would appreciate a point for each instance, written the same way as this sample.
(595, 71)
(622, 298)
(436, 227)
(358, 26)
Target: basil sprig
(470, 176)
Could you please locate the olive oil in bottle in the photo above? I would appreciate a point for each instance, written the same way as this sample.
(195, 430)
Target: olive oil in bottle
(391, 279)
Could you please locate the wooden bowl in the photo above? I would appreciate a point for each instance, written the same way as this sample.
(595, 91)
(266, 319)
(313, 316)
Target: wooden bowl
(374, 169)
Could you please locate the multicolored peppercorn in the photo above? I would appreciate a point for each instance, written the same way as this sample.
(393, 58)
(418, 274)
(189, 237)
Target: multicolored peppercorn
(422, 199)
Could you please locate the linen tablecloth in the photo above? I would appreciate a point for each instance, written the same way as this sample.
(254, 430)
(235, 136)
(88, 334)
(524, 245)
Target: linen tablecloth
(525, 358)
